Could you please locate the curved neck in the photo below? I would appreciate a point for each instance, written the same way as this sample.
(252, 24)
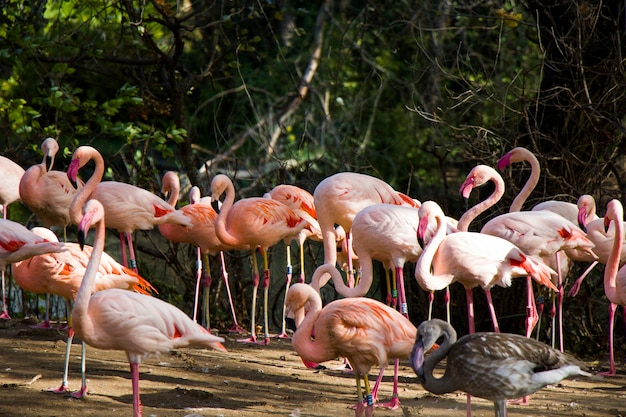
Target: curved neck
(221, 227)
(301, 339)
(87, 189)
(423, 268)
(531, 183)
(80, 318)
(320, 278)
(476, 210)
(612, 264)
(444, 384)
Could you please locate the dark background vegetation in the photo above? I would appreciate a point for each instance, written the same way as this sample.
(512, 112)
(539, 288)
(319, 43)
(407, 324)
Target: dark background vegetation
(270, 92)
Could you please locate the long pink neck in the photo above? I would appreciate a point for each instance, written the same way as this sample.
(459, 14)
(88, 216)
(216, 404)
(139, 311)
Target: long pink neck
(80, 318)
(423, 268)
(301, 340)
(221, 228)
(531, 183)
(612, 264)
(85, 192)
(476, 210)
(320, 278)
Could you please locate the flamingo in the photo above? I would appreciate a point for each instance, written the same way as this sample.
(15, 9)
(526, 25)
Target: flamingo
(340, 197)
(9, 192)
(568, 210)
(61, 274)
(48, 194)
(473, 259)
(603, 239)
(493, 366)
(365, 331)
(116, 319)
(256, 222)
(202, 235)
(301, 202)
(614, 275)
(128, 207)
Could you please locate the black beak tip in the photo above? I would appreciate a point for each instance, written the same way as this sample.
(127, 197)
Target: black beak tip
(216, 206)
(81, 239)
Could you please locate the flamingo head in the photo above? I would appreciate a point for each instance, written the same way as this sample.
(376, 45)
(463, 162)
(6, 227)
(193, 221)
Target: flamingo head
(93, 212)
(50, 147)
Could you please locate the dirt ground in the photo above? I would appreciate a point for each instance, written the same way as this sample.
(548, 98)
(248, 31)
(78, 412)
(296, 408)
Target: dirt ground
(247, 381)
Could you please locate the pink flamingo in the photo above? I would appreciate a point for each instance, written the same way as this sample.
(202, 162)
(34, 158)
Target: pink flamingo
(202, 235)
(256, 222)
(128, 207)
(116, 319)
(493, 366)
(473, 259)
(614, 275)
(48, 194)
(568, 210)
(365, 331)
(340, 197)
(301, 202)
(9, 192)
(603, 239)
(61, 274)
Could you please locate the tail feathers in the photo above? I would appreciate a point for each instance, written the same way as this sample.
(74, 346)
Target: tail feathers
(142, 286)
(539, 271)
(175, 217)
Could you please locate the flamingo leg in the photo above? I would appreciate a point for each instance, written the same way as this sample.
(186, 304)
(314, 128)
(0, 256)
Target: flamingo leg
(198, 278)
(611, 371)
(206, 292)
(531, 308)
(350, 266)
(447, 300)
(83, 388)
(131, 252)
(559, 298)
(492, 311)
(134, 372)
(266, 288)
(394, 403)
(302, 274)
(123, 246)
(470, 309)
(283, 333)
(394, 289)
(45, 324)
(68, 347)
(431, 299)
(404, 308)
(236, 328)
(5, 311)
(573, 291)
(255, 289)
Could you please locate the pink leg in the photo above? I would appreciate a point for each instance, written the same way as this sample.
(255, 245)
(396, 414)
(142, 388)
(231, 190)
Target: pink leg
(131, 252)
(492, 311)
(573, 291)
(470, 309)
(350, 266)
(531, 309)
(402, 304)
(283, 333)
(80, 394)
(559, 299)
(431, 299)
(134, 372)
(394, 403)
(236, 328)
(123, 245)
(611, 371)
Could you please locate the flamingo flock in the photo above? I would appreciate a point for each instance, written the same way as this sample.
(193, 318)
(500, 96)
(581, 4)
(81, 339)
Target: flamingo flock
(112, 306)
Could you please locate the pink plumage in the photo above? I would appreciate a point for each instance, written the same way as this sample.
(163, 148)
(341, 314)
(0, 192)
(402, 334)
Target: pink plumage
(365, 331)
(122, 320)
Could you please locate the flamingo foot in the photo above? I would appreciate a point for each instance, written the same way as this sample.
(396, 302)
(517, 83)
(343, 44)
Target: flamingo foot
(283, 335)
(252, 340)
(236, 329)
(5, 315)
(43, 325)
(80, 394)
(392, 404)
(525, 400)
(607, 373)
(60, 390)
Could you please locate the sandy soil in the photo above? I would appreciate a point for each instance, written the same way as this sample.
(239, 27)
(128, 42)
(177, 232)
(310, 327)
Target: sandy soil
(247, 381)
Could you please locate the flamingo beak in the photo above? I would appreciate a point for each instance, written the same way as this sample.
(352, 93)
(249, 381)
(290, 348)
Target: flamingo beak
(216, 206)
(81, 238)
(72, 172)
(49, 162)
(416, 359)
